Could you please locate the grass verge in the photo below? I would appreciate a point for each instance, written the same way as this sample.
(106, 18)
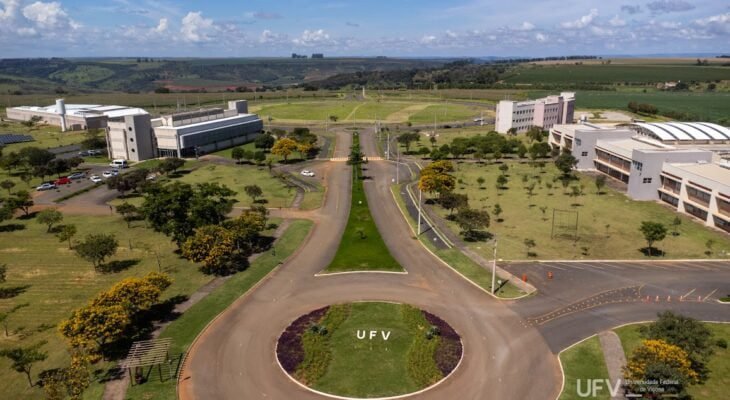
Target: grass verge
(472, 271)
(186, 328)
(362, 248)
(583, 361)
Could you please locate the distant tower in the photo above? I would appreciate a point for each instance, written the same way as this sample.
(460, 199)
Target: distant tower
(61, 110)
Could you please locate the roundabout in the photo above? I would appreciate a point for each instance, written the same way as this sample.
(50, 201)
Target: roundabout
(369, 350)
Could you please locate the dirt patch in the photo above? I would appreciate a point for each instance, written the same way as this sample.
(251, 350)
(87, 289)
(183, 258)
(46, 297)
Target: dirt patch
(404, 114)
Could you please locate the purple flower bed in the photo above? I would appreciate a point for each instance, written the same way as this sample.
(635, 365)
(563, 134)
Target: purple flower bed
(289, 349)
(448, 352)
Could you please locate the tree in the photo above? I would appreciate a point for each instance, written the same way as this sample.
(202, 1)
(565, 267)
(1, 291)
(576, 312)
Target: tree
(23, 358)
(265, 141)
(134, 294)
(432, 181)
(503, 169)
(497, 211)
(21, 200)
(304, 149)
(96, 248)
(3, 272)
(91, 327)
(534, 134)
(565, 163)
(453, 201)
(502, 182)
(129, 212)
(529, 245)
(7, 185)
(284, 147)
(213, 245)
(659, 359)
(259, 157)
(690, 335)
(676, 222)
(600, 183)
(471, 222)
(238, 153)
(333, 118)
(253, 191)
(5, 315)
(170, 165)
(35, 157)
(653, 232)
(530, 189)
(49, 217)
(67, 232)
(521, 150)
(406, 139)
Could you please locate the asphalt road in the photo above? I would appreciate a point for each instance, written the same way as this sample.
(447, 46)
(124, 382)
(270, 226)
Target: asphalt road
(510, 347)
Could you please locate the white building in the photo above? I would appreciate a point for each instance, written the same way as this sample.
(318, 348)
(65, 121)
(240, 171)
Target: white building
(658, 163)
(72, 117)
(544, 113)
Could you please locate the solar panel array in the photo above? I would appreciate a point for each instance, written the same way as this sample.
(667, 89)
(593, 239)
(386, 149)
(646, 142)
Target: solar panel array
(10, 138)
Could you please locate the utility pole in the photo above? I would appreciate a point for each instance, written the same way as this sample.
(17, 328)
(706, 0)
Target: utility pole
(397, 167)
(420, 193)
(387, 152)
(494, 266)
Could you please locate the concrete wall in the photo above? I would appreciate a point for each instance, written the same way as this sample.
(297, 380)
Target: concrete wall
(648, 165)
(131, 138)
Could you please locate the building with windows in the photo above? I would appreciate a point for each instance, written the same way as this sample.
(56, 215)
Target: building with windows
(543, 113)
(691, 176)
(130, 137)
(190, 133)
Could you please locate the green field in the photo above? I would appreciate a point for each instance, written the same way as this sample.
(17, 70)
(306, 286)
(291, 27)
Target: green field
(604, 235)
(368, 368)
(361, 247)
(446, 113)
(583, 361)
(615, 73)
(46, 136)
(186, 328)
(57, 282)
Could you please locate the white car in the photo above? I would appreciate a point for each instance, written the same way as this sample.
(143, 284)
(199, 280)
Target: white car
(46, 186)
(308, 173)
(95, 179)
(109, 174)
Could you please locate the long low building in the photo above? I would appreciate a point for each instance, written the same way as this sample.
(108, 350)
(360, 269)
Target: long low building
(186, 134)
(72, 117)
(645, 162)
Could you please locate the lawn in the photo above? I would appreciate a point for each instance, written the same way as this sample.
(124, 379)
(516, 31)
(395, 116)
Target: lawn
(372, 110)
(583, 361)
(616, 74)
(58, 282)
(447, 112)
(719, 364)
(308, 111)
(608, 224)
(46, 136)
(186, 328)
(361, 248)
(474, 272)
(236, 177)
(349, 360)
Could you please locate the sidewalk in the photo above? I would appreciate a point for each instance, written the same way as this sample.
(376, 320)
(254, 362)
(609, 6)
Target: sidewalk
(613, 353)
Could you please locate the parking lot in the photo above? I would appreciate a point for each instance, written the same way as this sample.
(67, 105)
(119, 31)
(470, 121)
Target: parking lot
(49, 197)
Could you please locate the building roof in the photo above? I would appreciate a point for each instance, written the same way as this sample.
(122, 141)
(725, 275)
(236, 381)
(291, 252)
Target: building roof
(711, 171)
(624, 147)
(87, 110)
(684, 131)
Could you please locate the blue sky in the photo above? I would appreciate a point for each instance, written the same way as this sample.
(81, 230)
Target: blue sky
(375, 27)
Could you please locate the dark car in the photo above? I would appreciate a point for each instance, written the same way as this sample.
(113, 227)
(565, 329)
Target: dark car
(77, 175)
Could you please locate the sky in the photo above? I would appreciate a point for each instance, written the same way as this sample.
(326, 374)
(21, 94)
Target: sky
(407, 28)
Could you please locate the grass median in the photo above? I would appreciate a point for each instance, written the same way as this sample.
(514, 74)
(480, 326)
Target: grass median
(362, 248)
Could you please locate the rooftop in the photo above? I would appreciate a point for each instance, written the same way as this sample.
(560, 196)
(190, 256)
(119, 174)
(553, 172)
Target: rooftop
(625, 146)
(711, 171)
(85, 110)
(683, 131)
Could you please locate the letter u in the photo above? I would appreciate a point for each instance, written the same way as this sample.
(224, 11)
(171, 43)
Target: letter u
(359, 336)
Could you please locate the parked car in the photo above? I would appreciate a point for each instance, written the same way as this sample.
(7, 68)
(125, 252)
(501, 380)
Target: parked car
(119, 164)
(95, 179)
(77, 175)
(64, 180)
(84, 153)
(151, 177)
(308, 173)
(94, 152)
(46, 186)
(109, 174)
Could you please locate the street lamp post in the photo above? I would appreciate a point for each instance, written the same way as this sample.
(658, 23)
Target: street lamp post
(494, 266)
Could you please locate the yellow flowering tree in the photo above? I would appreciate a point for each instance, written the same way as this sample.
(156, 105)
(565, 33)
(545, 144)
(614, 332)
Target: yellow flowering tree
(284, 147)
(212, 245)
(657, 360)
(436, 177)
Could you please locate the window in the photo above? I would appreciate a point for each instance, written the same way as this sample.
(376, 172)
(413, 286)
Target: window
(132, 150)
(647, 180)
(130, 129)
(638, 165)
(131, 139)
(577, 141)
(584, 154)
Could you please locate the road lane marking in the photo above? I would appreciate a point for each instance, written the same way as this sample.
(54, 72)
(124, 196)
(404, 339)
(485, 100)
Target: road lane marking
(688, 293)
(708, 296)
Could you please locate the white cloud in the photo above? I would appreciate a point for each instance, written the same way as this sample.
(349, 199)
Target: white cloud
(525, 26)
(9, 9)
(27, 32)
(716, 24)
(581, 22)
(541, 37)
(428, 39)
(617, 21)
(195, 28)
(48, 15)
(268, 36)
(311, 38)
(162, 26)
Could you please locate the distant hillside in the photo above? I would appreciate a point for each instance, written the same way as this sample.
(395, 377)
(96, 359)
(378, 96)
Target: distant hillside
(23, 76)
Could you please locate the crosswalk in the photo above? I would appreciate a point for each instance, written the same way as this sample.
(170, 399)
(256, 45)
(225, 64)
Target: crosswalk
(344, 159)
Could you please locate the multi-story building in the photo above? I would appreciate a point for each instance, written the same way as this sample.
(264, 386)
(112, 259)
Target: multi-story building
(543, 113)
(130, 137)
(658, 163)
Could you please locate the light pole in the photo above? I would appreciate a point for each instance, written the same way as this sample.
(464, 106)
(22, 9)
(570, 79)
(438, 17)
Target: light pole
(387, 152)
(420, 193)
(494, 266)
